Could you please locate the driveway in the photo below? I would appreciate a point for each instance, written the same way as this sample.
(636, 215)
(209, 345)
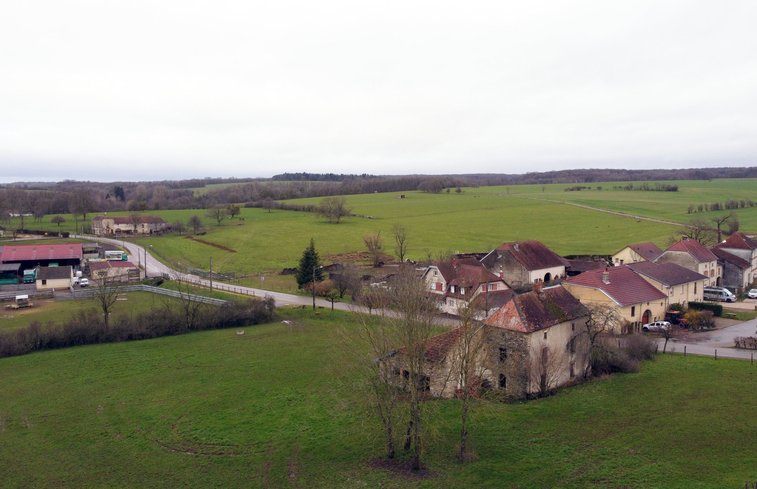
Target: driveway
(720, 339)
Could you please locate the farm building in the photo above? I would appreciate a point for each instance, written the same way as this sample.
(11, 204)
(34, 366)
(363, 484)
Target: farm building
(745, 247)
(137, 224)
(458, 282)
(533, 344)
(9, 273)
(635, 253)
(525, 262)
(34, 255)
(737, 272)
(680, 284)
(114, 271)
(692, 254)
(636, 301)
(54, 277)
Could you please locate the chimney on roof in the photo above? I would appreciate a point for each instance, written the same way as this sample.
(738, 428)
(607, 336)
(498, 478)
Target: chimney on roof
(606, 276)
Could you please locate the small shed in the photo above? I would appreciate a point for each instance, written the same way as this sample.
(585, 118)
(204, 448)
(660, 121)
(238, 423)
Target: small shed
(54, 277)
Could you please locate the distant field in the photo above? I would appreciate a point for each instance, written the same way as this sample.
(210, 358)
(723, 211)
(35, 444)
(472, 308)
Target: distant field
(274, 408)
(477, 219)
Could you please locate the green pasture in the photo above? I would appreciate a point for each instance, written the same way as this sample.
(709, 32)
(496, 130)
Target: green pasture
(276, 407)
(57, 311)
(259, 244)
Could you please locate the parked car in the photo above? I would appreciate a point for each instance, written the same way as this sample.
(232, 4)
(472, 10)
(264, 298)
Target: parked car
(718, 294)
(83, 282)
(752, 294)
(656, 326)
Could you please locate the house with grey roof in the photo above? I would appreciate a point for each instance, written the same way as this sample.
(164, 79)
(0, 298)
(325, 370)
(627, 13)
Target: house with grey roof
(680, 284)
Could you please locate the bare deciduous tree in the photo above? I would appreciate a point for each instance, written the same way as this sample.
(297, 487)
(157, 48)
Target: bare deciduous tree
(699, 230)
(720, 220)
(347, 280)
(374, 246)
(468, 366)
(195, 223)
(602, 319)
(545, 370)
(334, 209)
(106, 294)
(192, 309)
(217, 212)
(400, 241)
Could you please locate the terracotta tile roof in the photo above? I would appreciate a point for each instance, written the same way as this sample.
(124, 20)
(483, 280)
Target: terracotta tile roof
(53, 273)
(624, 286)
(491, 300)
(740, 241)
(36, 252)
(731, 258)
(666, 273)
(579, 265)
(532, 254)
(465, 272)
(438, 346)
(693, 248)
(534, 311)
(649, 251)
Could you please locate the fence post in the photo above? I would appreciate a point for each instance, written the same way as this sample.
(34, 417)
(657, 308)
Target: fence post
(716, 353)
(684, 351)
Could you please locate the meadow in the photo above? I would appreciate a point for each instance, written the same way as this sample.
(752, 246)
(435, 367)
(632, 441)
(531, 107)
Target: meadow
(276, 407)
(262, 243)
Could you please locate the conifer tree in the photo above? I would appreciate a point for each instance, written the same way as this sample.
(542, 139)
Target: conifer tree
(310, 266)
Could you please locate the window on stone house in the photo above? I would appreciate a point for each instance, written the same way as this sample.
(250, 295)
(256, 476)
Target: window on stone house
(572, 326)
(462, 290)
(545, 335)
(502, 381)
(502, 354)
(571, 346)
(633, 311)
(572, 369)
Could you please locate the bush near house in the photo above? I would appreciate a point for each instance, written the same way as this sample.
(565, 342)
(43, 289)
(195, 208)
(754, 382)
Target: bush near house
(699, 320)
(716, 309)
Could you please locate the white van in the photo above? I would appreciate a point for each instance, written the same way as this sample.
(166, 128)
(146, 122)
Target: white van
(718, 294)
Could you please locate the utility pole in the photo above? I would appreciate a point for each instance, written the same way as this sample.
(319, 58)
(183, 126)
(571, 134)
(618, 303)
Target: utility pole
(312, 286)
(211, 274)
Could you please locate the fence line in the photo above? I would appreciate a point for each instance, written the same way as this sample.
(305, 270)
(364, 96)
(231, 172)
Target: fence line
(89, 293)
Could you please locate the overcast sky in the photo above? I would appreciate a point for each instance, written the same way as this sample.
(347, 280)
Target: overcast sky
(164, 89)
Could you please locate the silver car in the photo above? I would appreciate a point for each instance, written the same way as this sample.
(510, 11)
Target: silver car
(656, 326)
(752, 294)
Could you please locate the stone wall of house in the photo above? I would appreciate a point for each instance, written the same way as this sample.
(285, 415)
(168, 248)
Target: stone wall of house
(510, 271)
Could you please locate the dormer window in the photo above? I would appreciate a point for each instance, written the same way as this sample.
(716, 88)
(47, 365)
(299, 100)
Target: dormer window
(462, 290)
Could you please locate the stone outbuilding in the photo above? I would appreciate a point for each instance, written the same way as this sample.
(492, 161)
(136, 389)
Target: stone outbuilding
(525, 262)
(692, 254)
(54, 277)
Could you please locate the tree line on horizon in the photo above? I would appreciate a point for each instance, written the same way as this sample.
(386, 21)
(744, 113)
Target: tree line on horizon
(82, 197)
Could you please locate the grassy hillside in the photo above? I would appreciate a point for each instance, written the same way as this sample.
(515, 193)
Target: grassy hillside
(267, 409)
(263, 243)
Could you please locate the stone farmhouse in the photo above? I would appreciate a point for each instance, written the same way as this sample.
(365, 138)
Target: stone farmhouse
(531, 345)
(107, 225)
(691, 254)
(458, 282)
(635, 300)
(525, 262)
(680, 284)
(737, 255)
(635, 253)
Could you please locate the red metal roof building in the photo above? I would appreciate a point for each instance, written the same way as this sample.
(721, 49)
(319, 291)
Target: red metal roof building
(43, 254)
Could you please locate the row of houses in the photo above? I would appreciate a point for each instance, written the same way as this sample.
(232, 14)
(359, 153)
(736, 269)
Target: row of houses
(536, 339)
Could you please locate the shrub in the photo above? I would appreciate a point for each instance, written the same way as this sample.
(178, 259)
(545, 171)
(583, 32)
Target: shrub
(716, 309)
(699, 320)
(87, 327)
(640, 347)
(746, 342)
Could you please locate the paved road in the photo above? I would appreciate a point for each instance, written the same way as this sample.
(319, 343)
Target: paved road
(155, 268)
(719, 339)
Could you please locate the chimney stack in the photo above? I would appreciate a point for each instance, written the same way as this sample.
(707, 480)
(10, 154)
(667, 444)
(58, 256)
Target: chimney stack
(606, 276)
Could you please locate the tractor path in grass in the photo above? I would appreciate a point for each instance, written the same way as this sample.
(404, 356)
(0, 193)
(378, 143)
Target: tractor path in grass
(617, 213)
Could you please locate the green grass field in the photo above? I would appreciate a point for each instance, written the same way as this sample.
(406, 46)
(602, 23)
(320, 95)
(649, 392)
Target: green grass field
(57, 311)
(268, 409)
(477, 219)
